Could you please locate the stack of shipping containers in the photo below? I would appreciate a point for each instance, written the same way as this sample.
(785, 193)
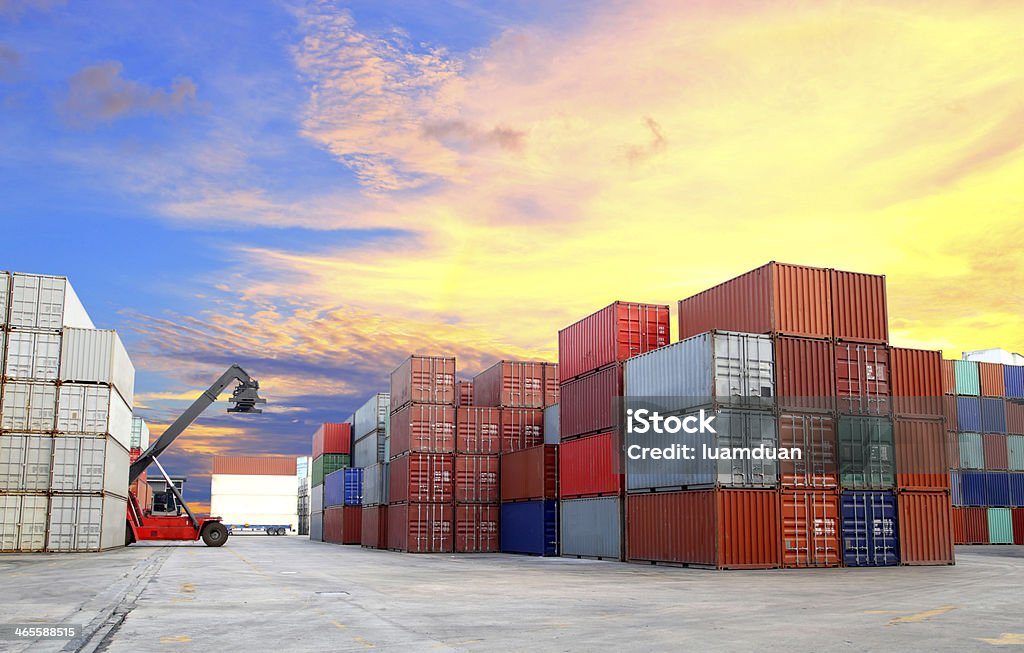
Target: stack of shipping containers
(422, 445)
(371, 451)
(343, 506)
(529, 492)
(303, 466)
(332, 447)
(591, 354)
(139, 443)
(66, 421)
(986, 402)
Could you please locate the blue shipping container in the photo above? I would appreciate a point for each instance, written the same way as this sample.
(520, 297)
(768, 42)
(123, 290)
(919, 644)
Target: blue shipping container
(530, 527)
(870, 532)
(968, 414)
(993, 415)
(1017, 490)
(972, 489)
(353, 486)
(344, 487)
(1013, 377)
(956, 488)
(997, 489)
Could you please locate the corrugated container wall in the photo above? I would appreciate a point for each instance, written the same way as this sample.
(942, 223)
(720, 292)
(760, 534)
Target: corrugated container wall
(476, 528)
(45, 302)
(421, 527)
(530, 527)
(967, 380)
(372, 415)
(421, 477)
(920, 454)
(611, 335)
(925, 525)
(991, 380)
(859, 307)
(374, 528)
(255, 465)
(591, 528)
(810, 529)
(589, 403)
(552, 428)
(862, 379)
(332, 438)
(916, 382)
(423, 428)
(530, 474)
(805, 374)
(870, 529)
(425, 379)
(90, 356)
(23, 521)
(1013, 381)
(478, 430)
(588, 467)
(32, 356)
(517, 384)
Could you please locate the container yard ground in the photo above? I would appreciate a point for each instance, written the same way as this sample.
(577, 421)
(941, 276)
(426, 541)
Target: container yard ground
(287, 593)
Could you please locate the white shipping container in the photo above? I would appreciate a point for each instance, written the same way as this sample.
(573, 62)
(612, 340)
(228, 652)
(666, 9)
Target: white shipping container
(86, 522)
(302, 466)
(316, 499)
(253, 485)
(25, 462)
(45, 302)
(92, 356)
(89, 464)
(140, 433)
(32, 356)
(5, 291)
(29, 407)
(373, 415)
(23, 522)
(723, 367)
(994, 356)
(94, 410)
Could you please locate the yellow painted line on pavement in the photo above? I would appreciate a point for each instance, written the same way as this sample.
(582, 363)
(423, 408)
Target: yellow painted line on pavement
(339, 626)
(1007, 639)
(922, 616)
(365, 643)
(175, 639)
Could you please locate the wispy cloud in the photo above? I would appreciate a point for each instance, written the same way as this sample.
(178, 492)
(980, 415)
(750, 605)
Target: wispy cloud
(99, 93)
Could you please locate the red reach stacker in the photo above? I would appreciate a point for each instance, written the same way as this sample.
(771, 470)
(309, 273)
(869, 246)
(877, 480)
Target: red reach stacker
(162, 519)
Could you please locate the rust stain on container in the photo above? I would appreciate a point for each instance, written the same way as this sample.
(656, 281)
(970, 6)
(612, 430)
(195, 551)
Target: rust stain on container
(926, 533)
(859, 307)
(921, 454)
(805, 374)
(993, 382)
(916, 382)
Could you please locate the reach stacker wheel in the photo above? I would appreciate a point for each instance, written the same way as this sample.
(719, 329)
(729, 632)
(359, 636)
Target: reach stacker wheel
(215, 534)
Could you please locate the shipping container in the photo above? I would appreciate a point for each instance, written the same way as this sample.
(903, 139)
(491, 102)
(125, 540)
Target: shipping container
(991, 381)
(32, 356)
(870, 529)
(369, 449)
(589, 467)
(423, 379)
(374, 530)
(1018, 525)
(316, 527)
(521, 428)
(530, 474)
(93, 410)
(815, 436)
(476, 528)
(552, 428)
(968, 414)
(591, 528)
(316, 498)
(1000, 526)
(719, 368)
(975, 525)
(920, 447)
(708, 465)
(86, 522)
(805, 374)
(29, 407)
(859, 307)
(423, 428)
(611, 335)
(421, 527)
(255, 465)
(478, 430)
(967, 380)
(997, 489)
(1013, 381)
(723, 529)
(372, 416)
(140, 433)
(89, 464)
(426, 477)
(810, 529)
(343, 488)
(332, 438)
(530, 527)
(25, 462)
(948, 377)
(862, 379)
(1014, 417)
(993, 416)
(1015, 447)
(925, 527)
(996, 454)
(23, 520)
(916, 383)
(5, 291)
(46, 303)
(776, 298)
(94, 356)
(949, 411)
(476, 479)
(464, 396)
(972, 490)
(343, 524)
(375, 484)
(517, 384)
(867, 458)
(589, 403)
(326, 464)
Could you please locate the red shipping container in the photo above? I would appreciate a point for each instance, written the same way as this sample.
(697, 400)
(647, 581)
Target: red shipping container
(343, 524)
(421, 477)
(948, 377)
(776, 298)
(517, 384)
(973, 526)
(589, 467)
(993, 383)
(423, 428)
(815, 436)
(476, 479)
(996, 451)
(588, 403)
(423, 379)
(329, 438)
(921, 454)
(521, 428)
(916, 383)
(859, 308)
(133, 454)
(810, 529)
(421, 527)
(373, 532)
(953, 449)
(949, 410)
(1014, 418)
(724, 529)
(478, 430)
(611, 335)
(805, 374)
(862, 378)
(959, 526)
(530, 474)
(476, 528)
(1017, 515)
(465, 394)
(926, 532)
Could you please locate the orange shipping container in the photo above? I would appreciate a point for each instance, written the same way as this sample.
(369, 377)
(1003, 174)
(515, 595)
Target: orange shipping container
(996, 447)
(373, 532)
(521, 428)
(921, 454)
(970, 525)
(328, 438)
(916, 382)
(805, 374)
(993, 383)
(465, 394)
(424, 379)
(815, 436)
(926, 532)
(859, 309)
(517, 384)
(810, 529)
(420, 527)
(478, 430)
(530, 474)
(476, 528)
(424, 477)
(423, 428)
(476, 479)
(948, 377)
(255, 465)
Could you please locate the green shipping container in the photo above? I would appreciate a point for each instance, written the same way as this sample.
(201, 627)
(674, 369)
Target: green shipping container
(1000, 526)
(972, 451)
(1015, 444)
(967, 380)
(326, 464)
(867, 459)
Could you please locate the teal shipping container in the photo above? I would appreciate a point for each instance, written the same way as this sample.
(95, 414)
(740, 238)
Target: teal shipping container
(967, 380)
(1000, 526)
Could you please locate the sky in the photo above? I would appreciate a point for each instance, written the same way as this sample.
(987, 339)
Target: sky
(315, 190)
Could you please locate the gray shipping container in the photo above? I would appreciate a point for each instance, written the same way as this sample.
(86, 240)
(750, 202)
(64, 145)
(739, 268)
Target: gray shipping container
(552, 432)
(591, 528)
(375, 484)
(316, 526)
(372, 416)
(42, 463)
(368, 449)
(316, 498)
(972, 451)
(23, 522)
(1015, 445)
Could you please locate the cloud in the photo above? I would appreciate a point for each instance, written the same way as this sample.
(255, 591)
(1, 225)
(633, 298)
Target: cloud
(471, 137)
(10, 60)
(99, 93)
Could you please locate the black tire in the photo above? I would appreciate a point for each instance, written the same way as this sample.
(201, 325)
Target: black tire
(129, 536)
(215, 534)
(281, 531)
(269, 530)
